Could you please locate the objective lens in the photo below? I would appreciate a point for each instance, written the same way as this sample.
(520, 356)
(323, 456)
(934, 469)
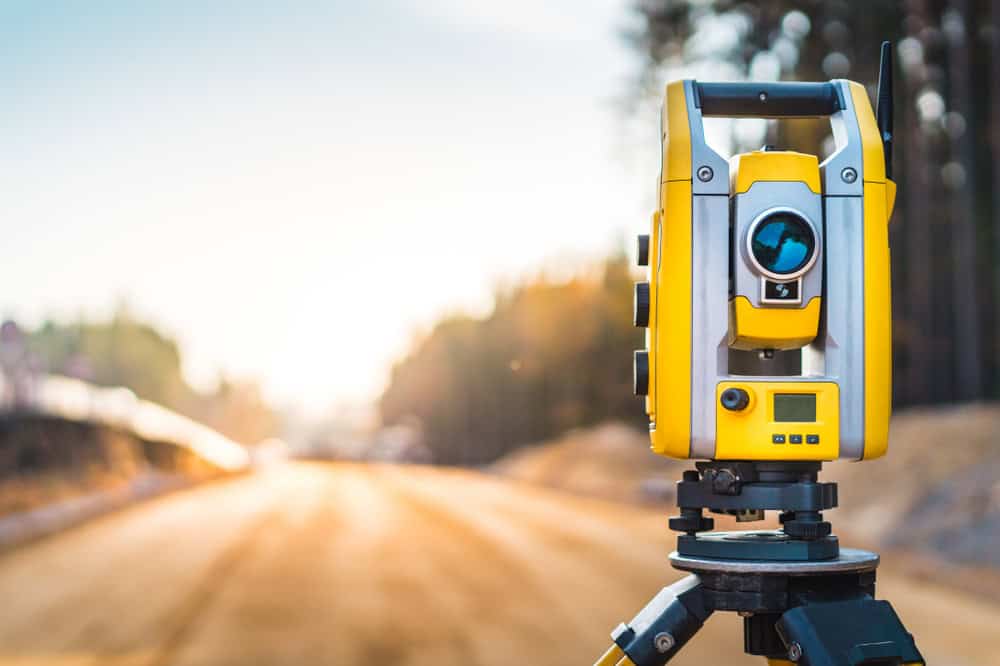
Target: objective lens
(783, 243)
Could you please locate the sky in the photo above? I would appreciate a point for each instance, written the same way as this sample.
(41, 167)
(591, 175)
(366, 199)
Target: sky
(292, 189)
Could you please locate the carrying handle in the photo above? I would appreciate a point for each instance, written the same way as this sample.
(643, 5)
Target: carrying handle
(779, 99)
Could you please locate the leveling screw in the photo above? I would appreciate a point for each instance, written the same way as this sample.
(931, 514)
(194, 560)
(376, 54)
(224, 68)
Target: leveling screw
(663, 642)
(705, 173)
(794, 652)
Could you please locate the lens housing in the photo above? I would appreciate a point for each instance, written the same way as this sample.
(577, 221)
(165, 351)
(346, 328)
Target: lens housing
(782, 244)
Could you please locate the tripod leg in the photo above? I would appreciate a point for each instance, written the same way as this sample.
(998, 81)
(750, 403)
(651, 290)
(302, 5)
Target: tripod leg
(660, 629)
(612, 657)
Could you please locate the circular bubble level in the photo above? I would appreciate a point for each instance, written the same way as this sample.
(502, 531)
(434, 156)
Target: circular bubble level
(782, 244)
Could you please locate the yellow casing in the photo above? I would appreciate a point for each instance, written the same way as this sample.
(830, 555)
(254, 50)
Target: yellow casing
(879, 197)
(773, 327)
(670, 350)
(669, 399)
(773, 166)
(748, 434)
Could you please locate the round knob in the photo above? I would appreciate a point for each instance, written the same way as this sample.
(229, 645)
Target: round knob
(642, 250)
(640, 374)
(735, 399)
(640, 305)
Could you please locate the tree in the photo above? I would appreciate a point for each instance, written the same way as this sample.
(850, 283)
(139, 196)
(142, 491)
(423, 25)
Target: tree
(551, 356)
(120, 352)
(124, 351)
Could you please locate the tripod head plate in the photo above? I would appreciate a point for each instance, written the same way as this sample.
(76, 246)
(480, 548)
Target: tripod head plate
(850, 560)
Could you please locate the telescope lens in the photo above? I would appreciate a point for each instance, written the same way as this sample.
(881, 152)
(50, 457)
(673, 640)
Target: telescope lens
(783, 243)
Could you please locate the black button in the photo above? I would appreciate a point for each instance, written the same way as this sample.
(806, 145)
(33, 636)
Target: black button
(777, 439)
(640, 372)
(640, 305)
(812, 439)
(795, 439)
(642, 250)
(735, 399)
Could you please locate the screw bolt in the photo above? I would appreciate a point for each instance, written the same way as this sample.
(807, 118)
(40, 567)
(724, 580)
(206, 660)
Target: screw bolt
(705, 173)
(663, 642)
(794, 652)
(849, 175)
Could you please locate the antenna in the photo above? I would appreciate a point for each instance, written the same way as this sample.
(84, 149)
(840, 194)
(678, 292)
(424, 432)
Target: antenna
(883, 109)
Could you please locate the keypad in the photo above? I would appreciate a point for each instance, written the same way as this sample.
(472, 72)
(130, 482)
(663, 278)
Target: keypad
(795, 438)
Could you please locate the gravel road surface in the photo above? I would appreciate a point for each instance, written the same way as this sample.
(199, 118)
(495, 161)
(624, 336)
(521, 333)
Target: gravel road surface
(347, 564)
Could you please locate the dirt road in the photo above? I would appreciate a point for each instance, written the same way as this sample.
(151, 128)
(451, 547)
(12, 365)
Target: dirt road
(322, 564)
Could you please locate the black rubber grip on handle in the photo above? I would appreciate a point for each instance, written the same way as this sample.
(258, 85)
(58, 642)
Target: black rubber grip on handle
(784, 99)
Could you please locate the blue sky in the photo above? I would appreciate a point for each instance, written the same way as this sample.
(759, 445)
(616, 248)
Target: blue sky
(291, 189)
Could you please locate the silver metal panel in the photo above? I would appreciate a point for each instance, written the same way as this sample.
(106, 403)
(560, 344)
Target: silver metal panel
(701, 154)
(839, 352)
(709, 315)
(761, 197)
(848, 151)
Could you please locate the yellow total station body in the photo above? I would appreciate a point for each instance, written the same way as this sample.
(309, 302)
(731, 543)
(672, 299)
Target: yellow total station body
(768, 255)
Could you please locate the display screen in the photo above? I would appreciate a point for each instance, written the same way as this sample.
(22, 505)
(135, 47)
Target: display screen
(797, 407)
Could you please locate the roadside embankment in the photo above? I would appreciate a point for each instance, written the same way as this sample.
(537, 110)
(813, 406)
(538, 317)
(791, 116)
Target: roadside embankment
(56, 472)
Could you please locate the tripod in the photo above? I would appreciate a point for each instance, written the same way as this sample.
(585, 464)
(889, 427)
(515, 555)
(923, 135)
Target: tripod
(803, 599)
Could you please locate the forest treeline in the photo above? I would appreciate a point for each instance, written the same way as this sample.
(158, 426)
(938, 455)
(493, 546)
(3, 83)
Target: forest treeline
(552, 355)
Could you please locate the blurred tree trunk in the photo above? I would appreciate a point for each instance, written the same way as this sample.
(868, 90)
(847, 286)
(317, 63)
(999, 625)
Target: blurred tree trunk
(995, 126)
(917, 233)
(965, 301)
